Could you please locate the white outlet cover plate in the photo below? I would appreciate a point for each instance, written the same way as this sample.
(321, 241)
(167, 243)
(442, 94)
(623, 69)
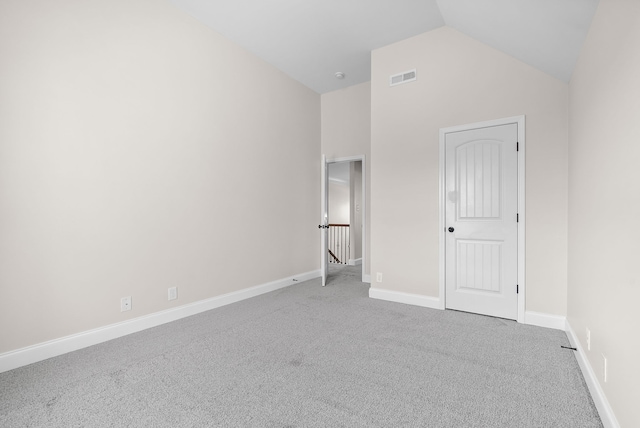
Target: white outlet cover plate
(125, 304)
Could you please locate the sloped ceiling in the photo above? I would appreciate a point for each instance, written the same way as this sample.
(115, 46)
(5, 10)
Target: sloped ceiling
(311, 40)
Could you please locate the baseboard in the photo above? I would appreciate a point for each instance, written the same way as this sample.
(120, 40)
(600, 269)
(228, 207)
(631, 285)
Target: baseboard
(366, 278)
(42, 351)
(597, 394)
(355, 262)
(408, 298)
(557, 322)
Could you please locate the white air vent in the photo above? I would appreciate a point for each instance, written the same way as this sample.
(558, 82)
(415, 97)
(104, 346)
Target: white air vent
(406, 77)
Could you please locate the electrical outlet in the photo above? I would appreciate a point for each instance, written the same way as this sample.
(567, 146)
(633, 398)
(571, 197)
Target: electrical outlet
(173, 293)
(605, 368)
(125, 304)
(378, 277)
(588, 340)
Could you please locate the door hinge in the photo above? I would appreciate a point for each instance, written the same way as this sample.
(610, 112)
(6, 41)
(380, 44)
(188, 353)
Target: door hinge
(517, 217)
(517, 146)
(517, 289)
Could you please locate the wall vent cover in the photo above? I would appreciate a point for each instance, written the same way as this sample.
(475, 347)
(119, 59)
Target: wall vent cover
(405, 77)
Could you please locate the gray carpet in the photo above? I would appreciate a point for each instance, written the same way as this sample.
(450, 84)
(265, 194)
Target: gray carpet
(308, 356)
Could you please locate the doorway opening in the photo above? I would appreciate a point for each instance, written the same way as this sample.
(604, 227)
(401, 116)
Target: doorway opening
(343, 217)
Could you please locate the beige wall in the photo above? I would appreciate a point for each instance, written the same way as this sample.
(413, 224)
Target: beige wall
(339, 203)
(346, 131)
(461, 81)
(139, 150)
(604, 202)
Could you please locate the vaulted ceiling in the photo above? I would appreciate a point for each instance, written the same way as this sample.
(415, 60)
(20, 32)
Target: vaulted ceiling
(311, 40)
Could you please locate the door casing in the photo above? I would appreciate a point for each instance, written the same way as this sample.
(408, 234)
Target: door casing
(520, 122)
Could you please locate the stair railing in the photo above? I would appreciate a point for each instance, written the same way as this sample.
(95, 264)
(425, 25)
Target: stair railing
(338, 243)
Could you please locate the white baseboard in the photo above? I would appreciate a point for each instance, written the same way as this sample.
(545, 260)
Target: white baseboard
(355, 262)
(408, 298)
(597, 394)
(557, 322)
(42, 351)
(366, 278)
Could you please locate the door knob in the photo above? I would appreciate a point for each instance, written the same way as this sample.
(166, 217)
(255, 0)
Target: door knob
(451, 229)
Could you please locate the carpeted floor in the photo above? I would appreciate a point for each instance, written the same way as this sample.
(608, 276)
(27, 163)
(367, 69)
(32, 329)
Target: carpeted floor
(310, 356)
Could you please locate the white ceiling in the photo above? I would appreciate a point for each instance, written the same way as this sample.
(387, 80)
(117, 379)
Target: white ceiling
(311, 40)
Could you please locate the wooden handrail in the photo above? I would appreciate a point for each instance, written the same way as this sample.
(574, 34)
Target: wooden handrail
(338, 225)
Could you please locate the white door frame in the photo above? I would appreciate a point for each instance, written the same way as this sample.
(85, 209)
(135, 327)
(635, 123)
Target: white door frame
(362, 159)
(520, 122)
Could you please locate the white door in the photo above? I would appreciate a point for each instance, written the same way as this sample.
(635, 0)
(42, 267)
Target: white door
(481, 256)
(324, 221)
